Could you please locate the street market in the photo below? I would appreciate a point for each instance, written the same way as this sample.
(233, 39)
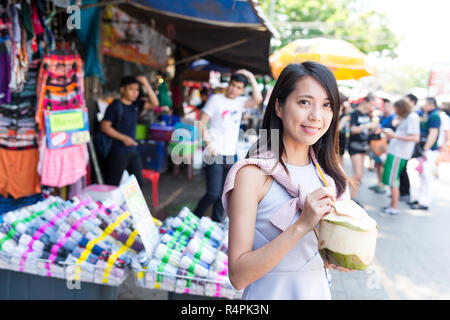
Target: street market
(124, 124)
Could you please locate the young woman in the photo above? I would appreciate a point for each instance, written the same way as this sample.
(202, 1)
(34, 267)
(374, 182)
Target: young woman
(400, 149)
(360, 126)
(273, 255)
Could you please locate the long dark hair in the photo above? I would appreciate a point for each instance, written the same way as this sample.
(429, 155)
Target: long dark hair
(327, 147)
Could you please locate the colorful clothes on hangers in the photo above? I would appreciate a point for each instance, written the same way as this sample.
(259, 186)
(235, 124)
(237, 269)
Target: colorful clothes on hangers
(60, 87)
(60, 84)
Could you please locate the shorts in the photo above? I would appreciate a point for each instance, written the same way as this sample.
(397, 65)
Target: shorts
(392, 169)
(355, 147)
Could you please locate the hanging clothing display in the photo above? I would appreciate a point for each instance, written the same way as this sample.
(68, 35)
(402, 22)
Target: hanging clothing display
(60, 87)
(17, 125)
(18, 132)
(27, 87)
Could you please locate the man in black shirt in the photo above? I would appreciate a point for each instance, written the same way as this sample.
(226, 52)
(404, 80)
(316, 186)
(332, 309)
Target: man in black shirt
(120, 123)
(360, 126)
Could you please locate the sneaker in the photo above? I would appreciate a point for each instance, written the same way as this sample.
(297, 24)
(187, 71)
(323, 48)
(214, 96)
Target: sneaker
(418, 206)
(373, 187)
(389, 212)
(379, 189)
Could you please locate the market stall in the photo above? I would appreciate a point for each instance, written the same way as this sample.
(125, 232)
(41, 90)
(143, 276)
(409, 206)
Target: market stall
(43, 115)
(103, 235)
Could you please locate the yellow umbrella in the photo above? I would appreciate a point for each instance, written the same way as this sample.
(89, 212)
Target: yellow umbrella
(344, 59)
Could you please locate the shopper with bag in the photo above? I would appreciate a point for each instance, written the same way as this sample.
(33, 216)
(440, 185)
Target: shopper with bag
(400, 149)
(273, 249)
(119, 123)
(378, 143)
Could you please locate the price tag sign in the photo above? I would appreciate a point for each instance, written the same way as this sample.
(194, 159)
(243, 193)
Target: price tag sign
(66, 128)
(140, 212)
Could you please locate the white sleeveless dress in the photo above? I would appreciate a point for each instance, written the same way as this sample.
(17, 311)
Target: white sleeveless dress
(301, 274)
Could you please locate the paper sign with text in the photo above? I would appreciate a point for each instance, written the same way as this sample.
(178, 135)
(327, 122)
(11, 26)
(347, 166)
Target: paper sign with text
(140, 212)
(66, 128)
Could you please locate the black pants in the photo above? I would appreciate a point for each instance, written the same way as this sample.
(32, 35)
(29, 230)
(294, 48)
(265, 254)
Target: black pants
(116, 164)
(404, 182)
(216, 174)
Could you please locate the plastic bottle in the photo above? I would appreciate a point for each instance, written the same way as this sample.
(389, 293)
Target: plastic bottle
(178, 224)
(199, 267)
(201, 250)
(210, 229)
(163, 252)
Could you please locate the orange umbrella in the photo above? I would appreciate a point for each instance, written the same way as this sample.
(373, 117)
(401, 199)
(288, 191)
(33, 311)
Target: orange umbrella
(344, 59)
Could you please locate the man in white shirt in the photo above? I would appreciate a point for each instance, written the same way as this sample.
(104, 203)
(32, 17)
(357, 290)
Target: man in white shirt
(224, 113)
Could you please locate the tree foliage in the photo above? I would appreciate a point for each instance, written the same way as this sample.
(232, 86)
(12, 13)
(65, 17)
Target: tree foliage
(338, 19)
(400, 79)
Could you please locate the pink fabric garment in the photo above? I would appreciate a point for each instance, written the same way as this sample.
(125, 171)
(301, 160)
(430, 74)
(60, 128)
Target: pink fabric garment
(282, 218)
(63, 166)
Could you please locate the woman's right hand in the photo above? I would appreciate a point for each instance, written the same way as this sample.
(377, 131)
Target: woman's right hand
(317, 204)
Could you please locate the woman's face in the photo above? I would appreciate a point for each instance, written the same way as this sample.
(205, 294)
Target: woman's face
(307, 112)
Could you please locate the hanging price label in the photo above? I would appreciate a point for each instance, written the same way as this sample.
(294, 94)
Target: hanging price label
(66, 128)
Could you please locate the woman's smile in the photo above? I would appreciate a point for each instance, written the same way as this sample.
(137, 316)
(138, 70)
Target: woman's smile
(310, 130)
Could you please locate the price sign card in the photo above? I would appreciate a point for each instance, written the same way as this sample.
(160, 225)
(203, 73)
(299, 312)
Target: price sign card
(66, 128)
(140, 212)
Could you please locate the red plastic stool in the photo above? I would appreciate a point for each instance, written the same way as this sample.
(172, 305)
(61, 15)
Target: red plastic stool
(153, 176)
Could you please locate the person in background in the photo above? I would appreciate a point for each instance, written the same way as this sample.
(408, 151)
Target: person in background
(429, 132)
(386, 121)
(164, 99)
(224, 113)
(204, 96)
(360, 126)
(405, 186)
(400, 149)
(344, 128)
(120, 123)
(444, 135)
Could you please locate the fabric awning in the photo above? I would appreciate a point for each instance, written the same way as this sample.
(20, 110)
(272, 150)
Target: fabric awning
(230, 33)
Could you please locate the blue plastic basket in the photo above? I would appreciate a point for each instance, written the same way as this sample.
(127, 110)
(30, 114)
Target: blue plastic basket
(170, 120)
(154, 155)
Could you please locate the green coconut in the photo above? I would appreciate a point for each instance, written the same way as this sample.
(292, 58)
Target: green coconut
(350, 261)
(347, 236)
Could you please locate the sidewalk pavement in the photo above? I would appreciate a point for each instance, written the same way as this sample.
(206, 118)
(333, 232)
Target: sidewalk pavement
(412, 251)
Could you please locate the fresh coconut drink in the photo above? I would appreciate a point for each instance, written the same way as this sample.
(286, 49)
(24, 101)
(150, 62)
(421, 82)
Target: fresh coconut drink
(347, 236)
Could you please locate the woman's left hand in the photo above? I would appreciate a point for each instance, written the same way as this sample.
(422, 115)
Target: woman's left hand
(333, 266)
